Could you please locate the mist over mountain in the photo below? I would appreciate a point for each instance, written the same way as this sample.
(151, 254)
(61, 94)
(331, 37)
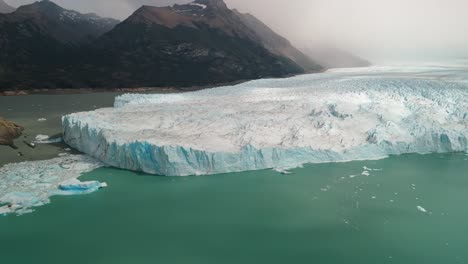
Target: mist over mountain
(330, 56)
(377, 30)
(5, 8)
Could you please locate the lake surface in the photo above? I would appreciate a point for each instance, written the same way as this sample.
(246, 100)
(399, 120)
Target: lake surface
(322, 213)
(27, 110)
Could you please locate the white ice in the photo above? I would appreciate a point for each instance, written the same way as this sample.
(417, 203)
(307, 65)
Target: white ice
(45, 139)
(340, 115)
(421, 209)
(29, 184)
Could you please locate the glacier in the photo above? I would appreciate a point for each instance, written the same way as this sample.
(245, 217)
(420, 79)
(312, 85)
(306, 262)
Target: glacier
(335, 116)
(30, 184)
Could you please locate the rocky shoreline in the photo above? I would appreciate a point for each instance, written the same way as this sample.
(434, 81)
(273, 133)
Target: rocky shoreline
(91, 90)
(9, 131)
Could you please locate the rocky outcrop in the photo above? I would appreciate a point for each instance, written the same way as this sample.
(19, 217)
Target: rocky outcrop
(9, 131)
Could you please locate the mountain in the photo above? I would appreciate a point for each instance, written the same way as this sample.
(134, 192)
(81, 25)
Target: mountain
(5, 8)
(332, 57)
(39, 40)
(65, 26)
(200, 43)
(278, 44)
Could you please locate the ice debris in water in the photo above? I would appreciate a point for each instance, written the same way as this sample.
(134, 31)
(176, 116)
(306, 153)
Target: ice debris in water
(282, 171)
(45, 139)
(421, 209)
(339, 115)
(41, 119)
(30, 184)
(74, 186)
(365, 173)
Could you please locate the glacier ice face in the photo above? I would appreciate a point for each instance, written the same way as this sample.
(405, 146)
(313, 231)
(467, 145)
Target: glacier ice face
(340, 115)
(30, 184)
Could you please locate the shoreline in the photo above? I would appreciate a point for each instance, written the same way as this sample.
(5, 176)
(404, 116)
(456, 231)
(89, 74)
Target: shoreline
(162, 90)
(71, 91)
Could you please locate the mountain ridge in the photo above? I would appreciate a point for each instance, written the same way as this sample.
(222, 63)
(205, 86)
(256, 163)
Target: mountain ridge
(201, 43)
(195, 44)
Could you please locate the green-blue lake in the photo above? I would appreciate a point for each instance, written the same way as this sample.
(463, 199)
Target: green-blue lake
(322, 213)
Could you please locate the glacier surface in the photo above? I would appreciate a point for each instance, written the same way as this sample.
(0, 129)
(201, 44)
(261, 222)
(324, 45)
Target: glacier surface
(339, 115)
(29, 184)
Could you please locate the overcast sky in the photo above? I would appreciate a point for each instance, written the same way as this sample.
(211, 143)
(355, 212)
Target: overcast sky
(380, 30)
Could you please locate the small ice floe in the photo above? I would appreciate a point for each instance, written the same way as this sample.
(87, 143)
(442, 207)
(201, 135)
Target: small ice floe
(44, 139)
(374, 197)
(282, 171)
(7, 209)
(365, 173)
(325, 189)
(422, 209)
(41, 119)
(370, 169)
(352, 176)
(29, 144)
(75, 186)
(29, 184)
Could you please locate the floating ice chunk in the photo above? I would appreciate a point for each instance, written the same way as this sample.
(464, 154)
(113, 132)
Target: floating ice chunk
(342, 115)
(26, 185)
(44, 139)
(282, 171)
(41, 119)
(421, 209)
(365, 173)
(74, 186)
(369, 169)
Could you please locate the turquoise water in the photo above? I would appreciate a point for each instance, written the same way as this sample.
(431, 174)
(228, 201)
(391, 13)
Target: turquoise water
(318, 214)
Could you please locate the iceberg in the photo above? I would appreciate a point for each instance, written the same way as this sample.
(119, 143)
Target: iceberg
(336, 116)
(30, 184)
(74, 186)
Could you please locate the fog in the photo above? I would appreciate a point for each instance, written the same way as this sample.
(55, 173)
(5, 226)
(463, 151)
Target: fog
(378, 30)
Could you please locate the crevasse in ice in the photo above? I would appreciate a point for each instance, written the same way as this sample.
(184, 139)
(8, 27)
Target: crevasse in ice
(339, 115)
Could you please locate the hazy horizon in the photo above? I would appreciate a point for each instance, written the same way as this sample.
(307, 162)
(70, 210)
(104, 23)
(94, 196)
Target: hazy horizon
(381, 31)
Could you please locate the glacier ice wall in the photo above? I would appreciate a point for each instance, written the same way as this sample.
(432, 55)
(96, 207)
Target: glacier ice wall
(340, 115)
(29, 184)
